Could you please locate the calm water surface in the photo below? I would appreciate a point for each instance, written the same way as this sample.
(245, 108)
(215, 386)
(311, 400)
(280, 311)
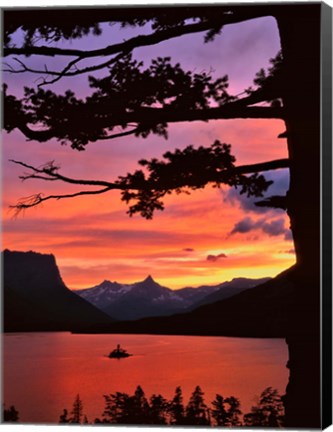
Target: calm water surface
(43, 372)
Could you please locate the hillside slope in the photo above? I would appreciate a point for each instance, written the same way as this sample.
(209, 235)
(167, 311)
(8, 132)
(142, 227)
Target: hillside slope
(36, 298)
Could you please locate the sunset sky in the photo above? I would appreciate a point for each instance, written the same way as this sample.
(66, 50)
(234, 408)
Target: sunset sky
(207, 237)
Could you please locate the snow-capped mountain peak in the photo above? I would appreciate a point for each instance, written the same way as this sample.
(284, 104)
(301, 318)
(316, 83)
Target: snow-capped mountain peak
(149, 298)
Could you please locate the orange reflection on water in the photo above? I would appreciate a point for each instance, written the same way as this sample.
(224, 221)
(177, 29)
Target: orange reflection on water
(44, 372)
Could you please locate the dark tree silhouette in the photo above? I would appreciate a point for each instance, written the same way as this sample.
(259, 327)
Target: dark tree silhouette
(226, 411)
(64, 417)
(219, 412)
(77, 410)
(121, 408)
(234, 412)
(268, 412)
(176, 408)
(132, 99)
(140, 407)
(158, 409)
(76, 415)
(115, 408)
(10, 415)
(196, 409)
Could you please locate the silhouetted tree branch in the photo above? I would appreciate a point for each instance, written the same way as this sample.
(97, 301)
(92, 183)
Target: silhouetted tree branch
(177, 26)
(109, 107)
(151, 98)
(65, 72)
(36, 199)
(214, 26)
(203, 166)
(129, 45)
(50, 170)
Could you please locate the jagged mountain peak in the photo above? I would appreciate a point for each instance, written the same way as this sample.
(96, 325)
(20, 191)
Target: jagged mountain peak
(148, 281)
(148, 298)
(149, 278)
(104, 286)
(149, 286)
(107, 283)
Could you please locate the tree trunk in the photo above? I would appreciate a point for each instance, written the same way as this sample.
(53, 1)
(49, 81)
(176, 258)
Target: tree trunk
(300, 40)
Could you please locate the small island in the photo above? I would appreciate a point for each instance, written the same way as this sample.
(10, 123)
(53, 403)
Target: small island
(119, 353)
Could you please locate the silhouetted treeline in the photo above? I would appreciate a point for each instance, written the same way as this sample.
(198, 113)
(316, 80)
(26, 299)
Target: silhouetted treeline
(137, 409)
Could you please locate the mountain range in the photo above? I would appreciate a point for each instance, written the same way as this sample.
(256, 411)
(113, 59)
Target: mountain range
(257, 312)
(35, 298)
(149, 298)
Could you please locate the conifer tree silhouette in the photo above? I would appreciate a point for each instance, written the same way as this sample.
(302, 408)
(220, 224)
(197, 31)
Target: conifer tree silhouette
(176, 408)
(269, 412)
(196, 409)
(76, 415)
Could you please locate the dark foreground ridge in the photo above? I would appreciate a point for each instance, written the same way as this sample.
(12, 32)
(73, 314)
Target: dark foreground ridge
(36, 298)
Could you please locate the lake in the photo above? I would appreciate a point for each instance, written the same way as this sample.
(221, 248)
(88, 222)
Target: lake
(43, 372)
